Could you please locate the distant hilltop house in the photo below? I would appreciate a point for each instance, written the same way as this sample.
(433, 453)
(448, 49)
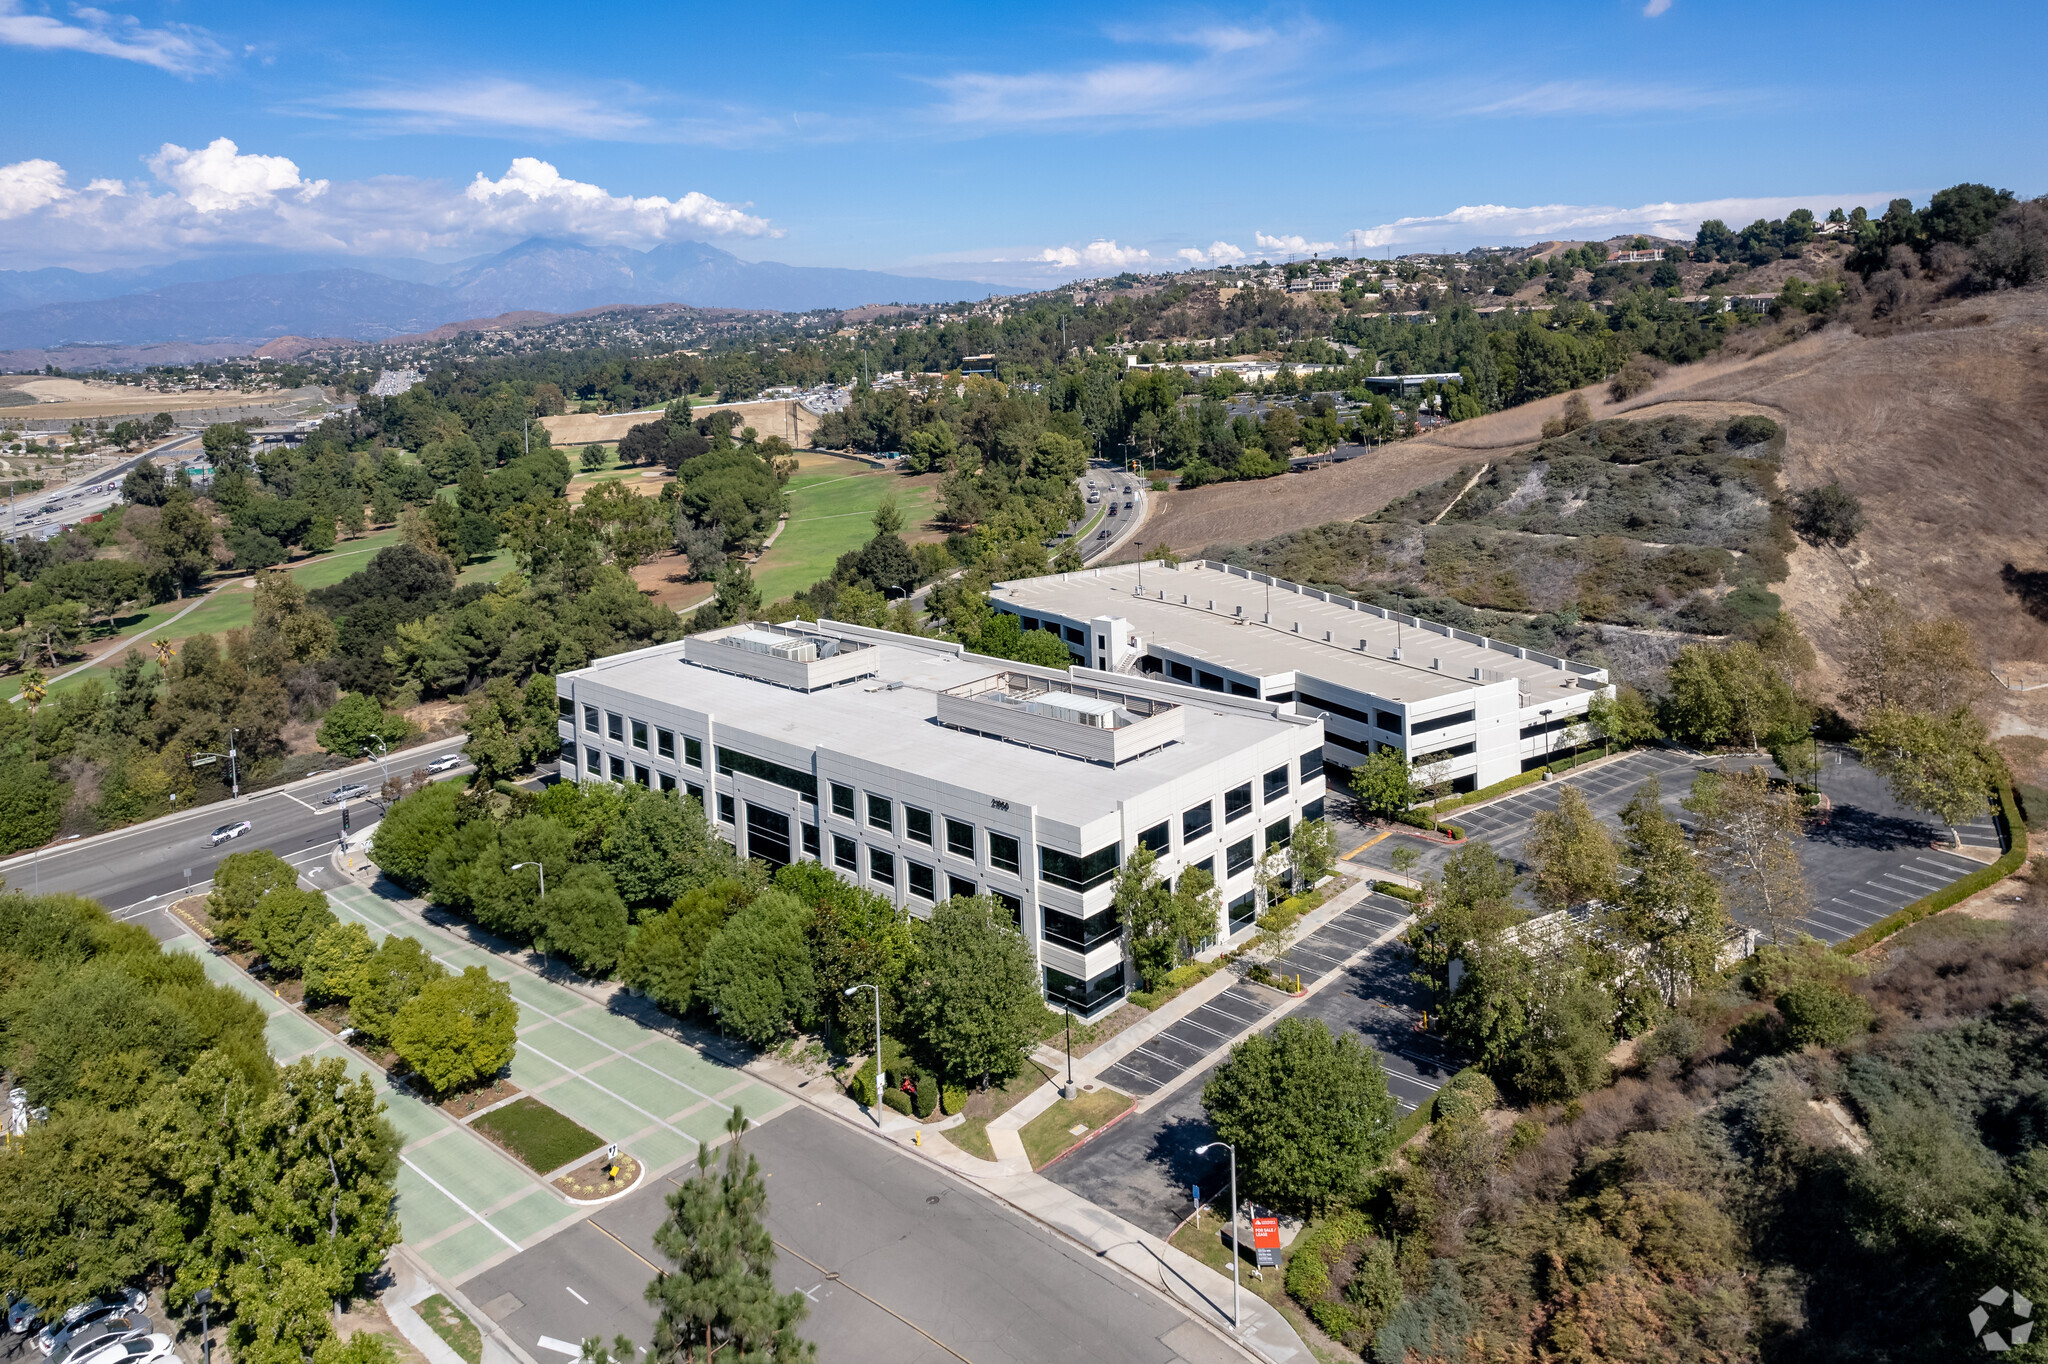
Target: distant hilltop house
(1635, 257)
(1314, 284)
(1730, 303)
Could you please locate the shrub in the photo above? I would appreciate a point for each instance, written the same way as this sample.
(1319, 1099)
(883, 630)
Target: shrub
(1399, 892)
(1746, 431)
(1468, 1093)
(1374, 1290)
(927, 1097)
(954, 1099)
(898, 1100)
(1822, 1014)
(1676, 1036)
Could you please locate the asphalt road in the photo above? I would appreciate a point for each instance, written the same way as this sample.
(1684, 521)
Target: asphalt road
(900, 1262)
(43, 513)
(136, 872)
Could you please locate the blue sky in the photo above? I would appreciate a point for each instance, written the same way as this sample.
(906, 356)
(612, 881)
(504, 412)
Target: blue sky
(983, 142)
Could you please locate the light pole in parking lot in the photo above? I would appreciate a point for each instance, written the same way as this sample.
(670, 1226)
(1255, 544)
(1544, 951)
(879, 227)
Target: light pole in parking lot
(1236, 1249)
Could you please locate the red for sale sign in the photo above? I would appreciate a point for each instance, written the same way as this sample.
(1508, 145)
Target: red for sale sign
(1266, 1241)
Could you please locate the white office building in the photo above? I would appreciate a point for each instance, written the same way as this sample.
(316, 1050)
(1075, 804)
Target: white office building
(921, 772)
(1481, 709)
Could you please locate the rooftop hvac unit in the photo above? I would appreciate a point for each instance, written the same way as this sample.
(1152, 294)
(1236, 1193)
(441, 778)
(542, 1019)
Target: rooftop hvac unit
(1093, 711)
(775, 646)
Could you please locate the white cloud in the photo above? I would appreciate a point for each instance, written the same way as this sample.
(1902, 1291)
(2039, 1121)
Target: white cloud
(493, 103)
(1101, 254)
(219, 176)
(1601, 97)
(219, 197)
(1219, 253)
(1498, 224)
(1239, 73)
(179, 48)
(26, 186)
(1293, 245)
(1655, 8)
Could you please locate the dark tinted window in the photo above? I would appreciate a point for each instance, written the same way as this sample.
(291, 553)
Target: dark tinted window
(810, 837)
(731, 760)
(640, 734)
(959, 887)
(1197, 820)
(1080, 934)
(882, 866)
(845, 853)
(842, 801)
(917, 825)
(881, 812)
(1440, 722)
(665, 743)
(725, 808)
(922, 883)
(1387, 720)
(959, 838)
(1237, 857)
(1159, 838)
(1078, 873)
(693, 752)
(1003, 852)
(1276, 783)
(1312, 765)
(1276, 834)
(1237, 802)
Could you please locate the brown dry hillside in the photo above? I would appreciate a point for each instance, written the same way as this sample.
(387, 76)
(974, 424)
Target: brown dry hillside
(1940, 428)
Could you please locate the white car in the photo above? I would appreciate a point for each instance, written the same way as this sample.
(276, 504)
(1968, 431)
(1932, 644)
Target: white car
(228, 831)
(131, 1348)
(445, 763)
(353, 791)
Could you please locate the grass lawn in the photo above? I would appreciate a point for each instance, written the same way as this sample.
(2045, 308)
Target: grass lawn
(1209, 1246)
(449, 1324)
(537, 1134)
(1048, 1134)
(984, 1107)
(830, 511)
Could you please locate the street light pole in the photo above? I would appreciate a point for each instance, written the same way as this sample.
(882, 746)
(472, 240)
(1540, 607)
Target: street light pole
(204, 1297)
(234, 772)
(881, 1076)
(539, 868)
(1236, 1248)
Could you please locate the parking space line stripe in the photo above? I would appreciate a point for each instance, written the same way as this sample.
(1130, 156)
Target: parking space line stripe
(590, 1222)
(456, 1201)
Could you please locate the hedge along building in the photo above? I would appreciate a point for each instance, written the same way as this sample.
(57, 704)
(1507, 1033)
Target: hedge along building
(921, 771)
(1483, 709)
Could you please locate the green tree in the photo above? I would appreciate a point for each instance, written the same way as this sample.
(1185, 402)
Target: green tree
(239, 882)
(1624, 719)
(457, 1030)
(355, 724)
(584, 919)
(337, 964)
(1563, 1051)
(1385, 784)
(1000, 636)
(718, 1293)
(1308, 1112)
(1943, 765)
(756, 974)
(1313, 850)
(285, 924)
(662, 959)
(1820, 1013)
(1670, 905)
(857, 938)
(661, 846)
(1572, 853)
(1827, 515)
(412, 830)
(391, 980)
(971, 994)
(1728, 692)
(31, 805)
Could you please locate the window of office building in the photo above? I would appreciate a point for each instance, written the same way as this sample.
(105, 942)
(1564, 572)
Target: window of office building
(767, 835)
(1312, 765)
(1243, 910)
(810, 840)
(665, 744)
(1237, 857)
(1011, 903)
(1313, 810)
(693, 752)
(842, 801)
(1207, 864)
(668, 783)
(640, 735)
(1276, 784)
(923, 881)
(882, 866)
(1078, 873)
(614, 727)
(1084, 996)
(1004, 853)
(566, 707)
(1436, 722)
(917, 825)
(569, 752)
(1197, 820)
(641, 775)
(1068, 930)
(590, 719)
(731, 760)
(1276, 833)
(1454, 751)
(593, 760)
(881, 813)
(1387, 720)
(1159, 838)
(1079, 637)
(960, 839)
(695, 793)
(959, 887)
(725, 808)
(845, 853)
(619, 770)
(1237, 803)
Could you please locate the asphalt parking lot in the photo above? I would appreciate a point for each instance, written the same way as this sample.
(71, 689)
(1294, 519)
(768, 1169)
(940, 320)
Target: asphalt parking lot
(1870, 856)
(899, 1260)
(1144, 1167)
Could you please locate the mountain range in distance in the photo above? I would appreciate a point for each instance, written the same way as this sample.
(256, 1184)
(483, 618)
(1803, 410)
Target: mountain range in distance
(255, 299)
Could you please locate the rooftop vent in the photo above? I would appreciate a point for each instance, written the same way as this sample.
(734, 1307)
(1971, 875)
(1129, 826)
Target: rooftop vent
(784, 657)
(1090, 723)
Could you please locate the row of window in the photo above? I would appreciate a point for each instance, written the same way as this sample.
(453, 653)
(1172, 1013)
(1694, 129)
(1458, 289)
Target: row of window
(1005, 853)
(616, 727)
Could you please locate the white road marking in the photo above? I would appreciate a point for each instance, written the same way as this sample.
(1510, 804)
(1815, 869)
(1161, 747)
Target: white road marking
(560, 1347)
(580, 1298)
